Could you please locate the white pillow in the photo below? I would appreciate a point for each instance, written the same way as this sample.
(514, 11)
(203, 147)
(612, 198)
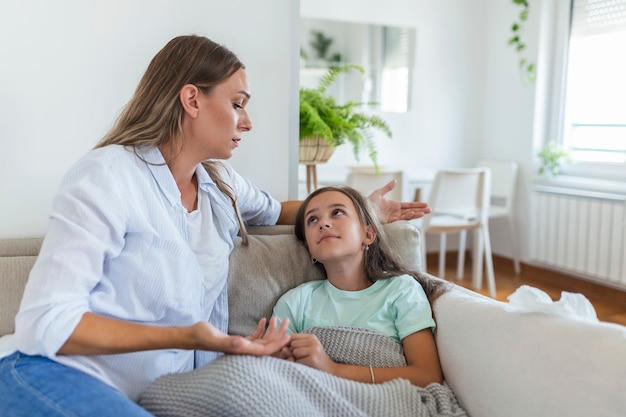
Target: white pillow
(513, 364)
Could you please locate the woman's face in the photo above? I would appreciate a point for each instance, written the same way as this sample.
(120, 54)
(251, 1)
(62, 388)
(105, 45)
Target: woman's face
(222, 118)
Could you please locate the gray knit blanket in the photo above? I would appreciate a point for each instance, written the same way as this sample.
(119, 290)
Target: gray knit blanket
(234, 386)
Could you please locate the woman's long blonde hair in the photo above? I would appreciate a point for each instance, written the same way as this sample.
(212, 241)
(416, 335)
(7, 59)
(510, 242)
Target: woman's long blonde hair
(153, 116)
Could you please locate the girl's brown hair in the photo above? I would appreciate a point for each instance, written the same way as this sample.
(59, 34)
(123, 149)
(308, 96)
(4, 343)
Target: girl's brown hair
(378, 261)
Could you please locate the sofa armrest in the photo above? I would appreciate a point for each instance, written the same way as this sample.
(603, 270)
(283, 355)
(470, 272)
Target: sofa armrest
(502, 363)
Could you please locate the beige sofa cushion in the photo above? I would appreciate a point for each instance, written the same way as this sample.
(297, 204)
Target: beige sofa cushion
(13, 276)
(17, 257)
(260, 273)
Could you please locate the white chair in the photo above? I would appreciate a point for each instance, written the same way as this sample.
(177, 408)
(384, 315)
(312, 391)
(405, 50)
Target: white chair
(365, 179)
(503, 187)
(459, 199)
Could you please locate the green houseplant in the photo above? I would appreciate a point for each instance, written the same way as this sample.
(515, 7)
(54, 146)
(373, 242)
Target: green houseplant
(325, 124)
(551, 156)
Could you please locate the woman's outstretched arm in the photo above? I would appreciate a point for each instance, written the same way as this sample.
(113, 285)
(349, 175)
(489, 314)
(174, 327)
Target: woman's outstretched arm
(97, 334)
(387, 210)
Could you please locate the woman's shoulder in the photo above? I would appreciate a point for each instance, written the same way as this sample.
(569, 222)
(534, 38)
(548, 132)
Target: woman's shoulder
(110, 165)
(107, 157)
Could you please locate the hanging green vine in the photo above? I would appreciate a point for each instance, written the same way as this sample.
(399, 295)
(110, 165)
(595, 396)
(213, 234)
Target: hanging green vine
(526, 66)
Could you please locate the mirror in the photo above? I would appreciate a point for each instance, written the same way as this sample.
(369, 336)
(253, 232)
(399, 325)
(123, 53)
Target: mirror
(385, 52)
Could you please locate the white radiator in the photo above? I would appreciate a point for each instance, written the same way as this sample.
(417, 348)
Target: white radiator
(580, 232)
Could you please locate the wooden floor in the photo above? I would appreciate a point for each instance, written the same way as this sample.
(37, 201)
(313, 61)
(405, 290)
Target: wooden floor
(610, 304)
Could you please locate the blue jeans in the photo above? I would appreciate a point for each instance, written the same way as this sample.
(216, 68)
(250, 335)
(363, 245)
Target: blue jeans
(34, 386)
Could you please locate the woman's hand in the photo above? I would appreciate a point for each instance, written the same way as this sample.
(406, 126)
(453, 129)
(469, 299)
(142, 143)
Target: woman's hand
(390, 210)
(98, 335)
(306, 349)
(261, 342)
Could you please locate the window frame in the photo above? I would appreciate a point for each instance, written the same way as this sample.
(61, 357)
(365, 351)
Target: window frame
(551, 90)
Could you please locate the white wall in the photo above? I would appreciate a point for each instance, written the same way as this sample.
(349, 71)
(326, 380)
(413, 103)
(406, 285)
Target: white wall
(446, 96)
(509, 110)
(69, 66)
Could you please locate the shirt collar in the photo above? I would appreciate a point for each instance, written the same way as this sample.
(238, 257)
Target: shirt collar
(204, 179)
(163, 176)
(161, 173)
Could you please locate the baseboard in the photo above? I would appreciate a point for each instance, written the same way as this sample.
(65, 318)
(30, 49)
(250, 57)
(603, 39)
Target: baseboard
(574, 284)
(561, 280)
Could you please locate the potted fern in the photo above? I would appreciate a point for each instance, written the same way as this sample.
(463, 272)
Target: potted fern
(325, 124)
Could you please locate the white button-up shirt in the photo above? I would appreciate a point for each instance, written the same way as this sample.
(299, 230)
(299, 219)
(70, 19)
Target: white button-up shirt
(118, 245)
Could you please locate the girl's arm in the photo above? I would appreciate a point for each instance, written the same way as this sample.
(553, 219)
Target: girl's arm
(420, 351)
(97, 334)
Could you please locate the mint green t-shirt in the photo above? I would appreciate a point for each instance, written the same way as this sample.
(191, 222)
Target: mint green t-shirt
(395, 307)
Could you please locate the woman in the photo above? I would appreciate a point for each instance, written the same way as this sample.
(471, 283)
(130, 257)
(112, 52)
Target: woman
(130, 283)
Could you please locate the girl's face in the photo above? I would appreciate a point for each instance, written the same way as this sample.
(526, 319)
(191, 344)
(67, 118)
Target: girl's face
(221, 118)
(333, 230)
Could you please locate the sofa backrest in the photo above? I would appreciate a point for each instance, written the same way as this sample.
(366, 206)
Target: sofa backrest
(271, 264)
(17, 257)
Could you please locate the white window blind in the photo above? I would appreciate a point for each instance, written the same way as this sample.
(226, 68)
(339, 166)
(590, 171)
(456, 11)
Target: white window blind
(593, 17)
(396, 46)
(594, 127)
(395, 69)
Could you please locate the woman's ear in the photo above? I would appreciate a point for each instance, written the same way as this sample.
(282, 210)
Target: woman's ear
(188, 96)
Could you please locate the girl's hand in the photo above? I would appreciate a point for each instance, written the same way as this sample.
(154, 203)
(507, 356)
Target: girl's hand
(307, 350)
(286, 354)
(261, 342)
(391, 210)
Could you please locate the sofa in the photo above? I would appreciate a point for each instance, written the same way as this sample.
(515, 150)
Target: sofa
(498, 362)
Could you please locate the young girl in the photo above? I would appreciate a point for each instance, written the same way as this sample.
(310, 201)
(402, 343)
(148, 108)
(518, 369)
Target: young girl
(365, 288)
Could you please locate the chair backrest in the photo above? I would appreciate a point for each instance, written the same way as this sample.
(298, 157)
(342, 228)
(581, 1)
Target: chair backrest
(366, 180)
(503, 182)
(460, 192)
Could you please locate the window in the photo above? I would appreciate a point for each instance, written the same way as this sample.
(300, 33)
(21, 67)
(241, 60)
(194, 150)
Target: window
(395, 76)
(593, 122)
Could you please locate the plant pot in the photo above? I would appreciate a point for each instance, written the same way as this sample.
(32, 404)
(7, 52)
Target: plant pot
(315, 151)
